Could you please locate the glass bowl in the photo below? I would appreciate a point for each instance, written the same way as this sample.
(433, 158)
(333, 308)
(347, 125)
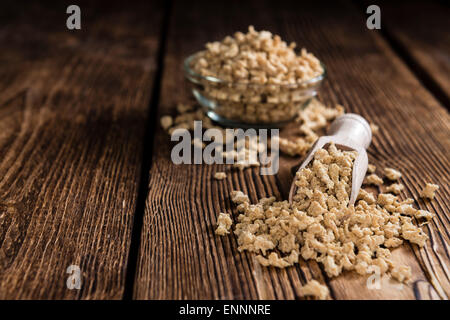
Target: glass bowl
(249, 105)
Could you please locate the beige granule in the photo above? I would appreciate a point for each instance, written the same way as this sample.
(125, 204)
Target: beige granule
(393, 242)
(371, 168)
(395, 188)
(423, 214)
(429, 191)
(366, 196)
(386, 199)
(315, 289)
(375, 129)
(320, 225)
(166, 122)
(241, 165)
(401, 273)
(373, 179)
(247, 156)
(224, 223)
(392, 174)
(220, 175)
(239, 197)
(272, 260)
(412, 233)
(196, 142)
(183, 108)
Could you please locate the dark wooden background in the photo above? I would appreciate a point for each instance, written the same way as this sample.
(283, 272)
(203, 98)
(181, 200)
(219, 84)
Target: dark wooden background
(85, 172)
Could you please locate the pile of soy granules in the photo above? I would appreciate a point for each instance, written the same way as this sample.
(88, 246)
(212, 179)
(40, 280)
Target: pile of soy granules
(322, 226)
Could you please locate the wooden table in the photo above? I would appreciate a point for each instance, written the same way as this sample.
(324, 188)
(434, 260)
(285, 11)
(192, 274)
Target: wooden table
(85, 172)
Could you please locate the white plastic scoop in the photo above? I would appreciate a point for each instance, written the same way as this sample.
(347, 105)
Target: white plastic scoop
(348, 132)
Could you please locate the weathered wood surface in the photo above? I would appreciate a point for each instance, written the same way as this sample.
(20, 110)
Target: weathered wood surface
(181, 258)
(72, 116)
(73, 109)
(419, 29)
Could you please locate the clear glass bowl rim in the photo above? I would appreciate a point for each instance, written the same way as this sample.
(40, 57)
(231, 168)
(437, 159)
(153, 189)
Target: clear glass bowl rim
(189, 72)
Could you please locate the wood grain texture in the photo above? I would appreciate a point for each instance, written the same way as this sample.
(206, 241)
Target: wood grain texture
(420, 29)
(72, 115)
(181, 258)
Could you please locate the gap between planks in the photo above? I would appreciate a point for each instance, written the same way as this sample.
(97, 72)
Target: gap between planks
(147, 156)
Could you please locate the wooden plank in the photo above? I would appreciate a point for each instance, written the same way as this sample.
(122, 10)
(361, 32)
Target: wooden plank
(421, 31)
(180, 256)
(73, 106)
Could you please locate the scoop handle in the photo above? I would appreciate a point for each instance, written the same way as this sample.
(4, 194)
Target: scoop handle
(351, 130)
